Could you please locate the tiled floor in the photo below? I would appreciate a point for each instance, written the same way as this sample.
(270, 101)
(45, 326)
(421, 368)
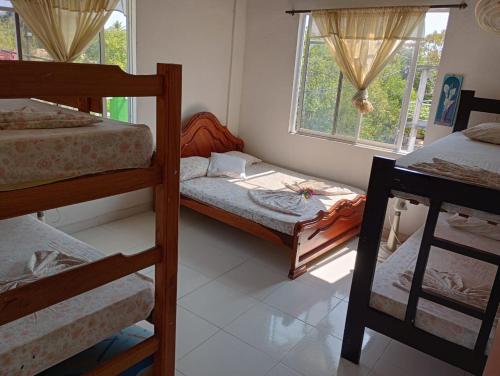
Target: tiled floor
(239, 315)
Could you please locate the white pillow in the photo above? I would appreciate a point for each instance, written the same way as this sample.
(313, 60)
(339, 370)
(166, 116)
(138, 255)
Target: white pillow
(226, 165)
(193, 167)
(486, 132)
(247, 157)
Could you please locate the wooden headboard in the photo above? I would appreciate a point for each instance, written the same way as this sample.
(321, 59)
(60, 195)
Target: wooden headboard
(468, 103)
(204, 134)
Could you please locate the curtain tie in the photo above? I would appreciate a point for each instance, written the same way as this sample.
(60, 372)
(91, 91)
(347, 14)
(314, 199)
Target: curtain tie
(361, 102)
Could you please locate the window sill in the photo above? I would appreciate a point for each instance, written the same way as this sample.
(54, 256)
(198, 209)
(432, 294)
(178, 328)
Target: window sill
(312, 134)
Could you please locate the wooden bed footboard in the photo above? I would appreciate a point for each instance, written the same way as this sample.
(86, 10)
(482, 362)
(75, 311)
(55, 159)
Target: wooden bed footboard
(319, 235)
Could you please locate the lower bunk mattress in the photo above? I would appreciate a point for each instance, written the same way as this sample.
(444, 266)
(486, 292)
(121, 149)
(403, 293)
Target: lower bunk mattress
(31, 157)
(38, 341)
(388, 296)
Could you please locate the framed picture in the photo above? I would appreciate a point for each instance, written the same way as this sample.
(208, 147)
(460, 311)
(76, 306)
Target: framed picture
(449, 100)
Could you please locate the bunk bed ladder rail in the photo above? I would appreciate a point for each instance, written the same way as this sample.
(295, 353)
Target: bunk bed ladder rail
(487, 316)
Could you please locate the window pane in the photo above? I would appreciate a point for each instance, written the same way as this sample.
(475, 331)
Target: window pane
(320, 89)
(386, 93)
(348, 117)
(425, 80)
(92, 53)
(115, 40)
(32, 47)
(8, 49)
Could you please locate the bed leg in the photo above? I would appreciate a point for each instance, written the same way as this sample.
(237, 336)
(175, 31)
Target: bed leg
(297, 272)
(378, 193)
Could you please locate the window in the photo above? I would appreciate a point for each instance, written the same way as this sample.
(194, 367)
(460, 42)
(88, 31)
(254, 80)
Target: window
(401, 94)
(110, 46)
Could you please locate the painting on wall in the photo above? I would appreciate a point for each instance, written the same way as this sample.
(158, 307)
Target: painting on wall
(448, 100)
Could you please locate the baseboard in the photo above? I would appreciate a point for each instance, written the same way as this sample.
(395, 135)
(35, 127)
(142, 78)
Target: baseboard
(115, 215)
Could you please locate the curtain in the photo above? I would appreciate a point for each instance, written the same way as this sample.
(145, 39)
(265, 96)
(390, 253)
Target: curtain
(364, 40)
(65, 27)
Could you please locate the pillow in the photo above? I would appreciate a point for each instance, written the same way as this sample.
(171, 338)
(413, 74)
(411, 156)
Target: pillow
(247, 157)
(31, 118)
(475, 226)
(486, 132)
(226, 165)
(193, 167)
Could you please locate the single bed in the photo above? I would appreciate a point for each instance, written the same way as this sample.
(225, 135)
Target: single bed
(454, 326)
(40, 156)
(328, 221)
(40, 340)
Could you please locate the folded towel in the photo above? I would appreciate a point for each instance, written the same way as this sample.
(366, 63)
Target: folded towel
(31, 118)
(450, 285)
(41, 264)
(280, 201)
(314, 187)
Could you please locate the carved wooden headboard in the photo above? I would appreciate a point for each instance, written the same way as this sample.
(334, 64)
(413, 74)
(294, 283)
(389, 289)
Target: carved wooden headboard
(204, 134)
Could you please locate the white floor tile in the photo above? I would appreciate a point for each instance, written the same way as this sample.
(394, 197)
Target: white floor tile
(192, 331)
(255, 278)
(334, 322)
(414, 362)
(103, 239)
(269, 330)
(307, 303)
(318, 354)
(218, 303)
(189, 280)
(225, 355)
(136, 229)
(282, 370)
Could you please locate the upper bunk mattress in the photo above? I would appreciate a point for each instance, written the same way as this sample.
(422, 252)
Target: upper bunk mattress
(433, 318)
(459, 149)
(40, 340)
(41, 156)
(232, 195)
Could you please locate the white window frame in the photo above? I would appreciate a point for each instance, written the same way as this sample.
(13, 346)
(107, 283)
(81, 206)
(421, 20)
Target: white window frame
(298, 94)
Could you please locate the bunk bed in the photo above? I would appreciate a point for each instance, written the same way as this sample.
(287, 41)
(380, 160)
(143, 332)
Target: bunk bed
(61, 304)
(332, 222)
(448, 328)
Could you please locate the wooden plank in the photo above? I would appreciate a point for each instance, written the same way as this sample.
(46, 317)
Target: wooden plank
(67, 192)
(239, 222)
(493, 364)
(168, 108)
(48, 291)
(127, 359)
(28, 79)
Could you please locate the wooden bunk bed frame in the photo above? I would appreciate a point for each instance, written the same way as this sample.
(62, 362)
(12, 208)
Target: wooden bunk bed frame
(385, 180)
(311, 239)
(69, 81)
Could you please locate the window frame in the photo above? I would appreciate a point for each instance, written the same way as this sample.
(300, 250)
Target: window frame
(300, 76)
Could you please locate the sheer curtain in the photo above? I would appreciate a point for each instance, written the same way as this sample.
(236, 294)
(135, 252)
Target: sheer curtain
(65, 27)
(364, 40)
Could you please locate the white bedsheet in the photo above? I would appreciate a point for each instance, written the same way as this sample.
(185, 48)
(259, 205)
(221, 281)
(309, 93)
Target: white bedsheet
(433, 318)
(40, 340)
(40, 156)
(232, 195)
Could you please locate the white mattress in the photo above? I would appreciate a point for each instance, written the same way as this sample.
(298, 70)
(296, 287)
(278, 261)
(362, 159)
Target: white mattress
(433, 318)
(459, 149)
(38, 341)
(40, 156)
(232, 195)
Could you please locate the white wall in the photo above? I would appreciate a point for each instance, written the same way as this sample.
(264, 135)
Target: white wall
(199, 35)
(271, 43)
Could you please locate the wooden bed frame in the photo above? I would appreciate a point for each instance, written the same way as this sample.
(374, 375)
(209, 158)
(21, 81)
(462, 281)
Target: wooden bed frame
(386, 180)
(61, 80)
(204, 134)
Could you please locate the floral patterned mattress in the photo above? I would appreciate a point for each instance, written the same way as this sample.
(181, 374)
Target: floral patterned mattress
(232, 195)
(41, 156)
(433, 318)
(38, 341)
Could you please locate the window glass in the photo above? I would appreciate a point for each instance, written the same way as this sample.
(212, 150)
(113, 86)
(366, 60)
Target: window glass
(8, 50)
(92, 54)
(32, 47)
(401, 93)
